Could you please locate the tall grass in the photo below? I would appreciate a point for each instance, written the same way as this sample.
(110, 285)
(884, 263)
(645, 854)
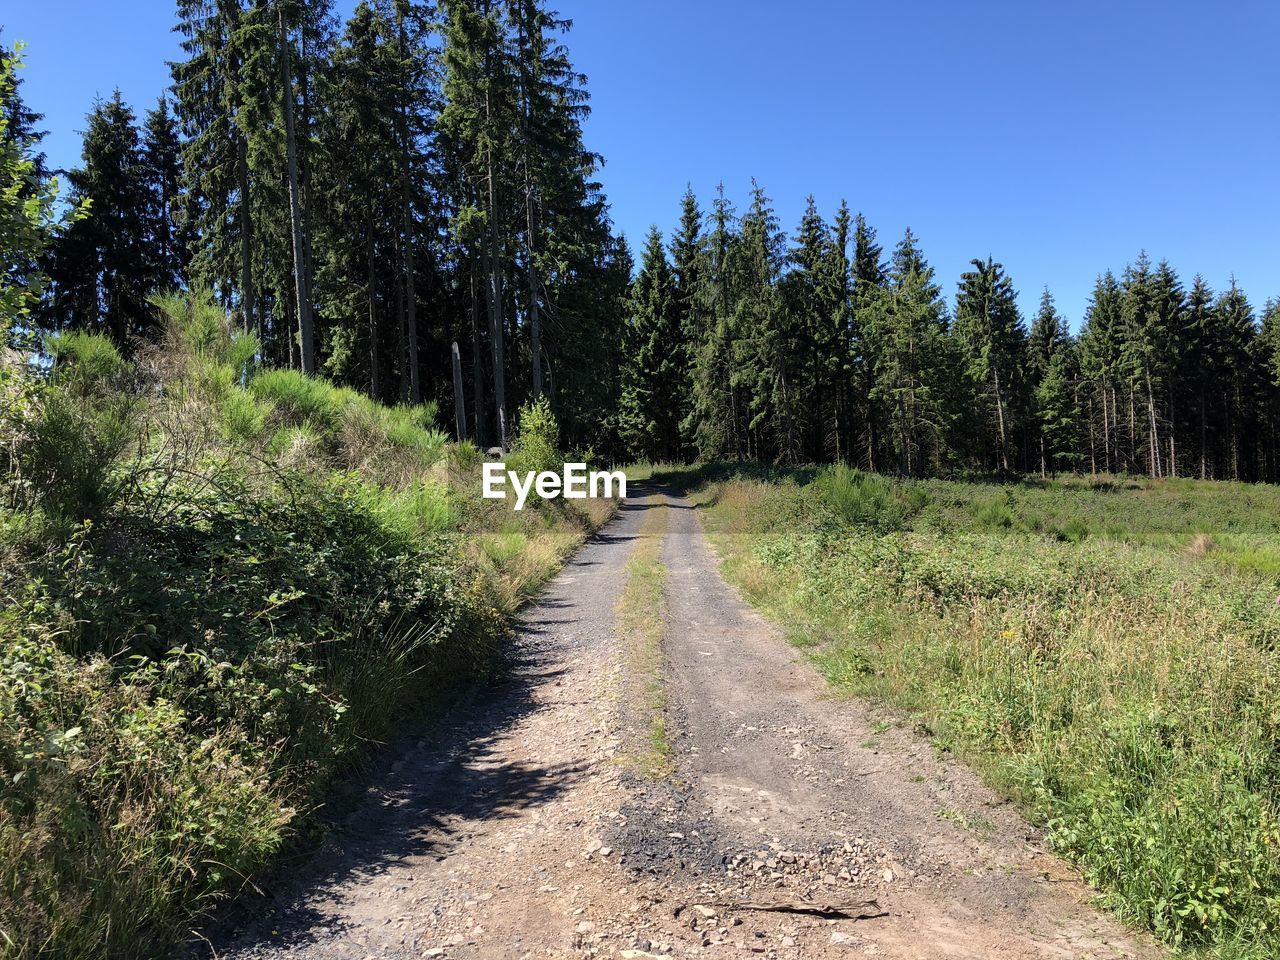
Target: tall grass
(1074, 645)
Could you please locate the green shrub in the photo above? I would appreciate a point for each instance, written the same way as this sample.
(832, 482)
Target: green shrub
(537, 445)
(863, 498)
(88, 360)
(70, 454)
(300, 400)
(995, 514)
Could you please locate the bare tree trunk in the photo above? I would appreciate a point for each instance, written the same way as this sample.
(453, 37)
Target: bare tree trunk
(1004, 455)
(477, 367)
(373, 316)
(402, 334)
(410, 296)
(247, 304)
(459, 399)
(302, 286)
(1157, 468)
(535, 321)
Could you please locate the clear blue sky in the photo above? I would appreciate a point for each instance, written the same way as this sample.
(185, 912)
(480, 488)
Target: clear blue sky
(1059, 138)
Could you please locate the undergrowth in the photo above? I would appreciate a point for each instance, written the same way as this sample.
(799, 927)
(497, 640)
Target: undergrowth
(221, 587)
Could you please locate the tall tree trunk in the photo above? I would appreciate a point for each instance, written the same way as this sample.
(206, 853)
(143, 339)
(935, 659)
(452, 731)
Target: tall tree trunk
(302, 286)
(459, 398)
(477, 366)
(402, 333)
(1157, 469)
(410, 296)
(411, 287)
(535, 321)
(247, 304)
(1004, 455)
(373, 316)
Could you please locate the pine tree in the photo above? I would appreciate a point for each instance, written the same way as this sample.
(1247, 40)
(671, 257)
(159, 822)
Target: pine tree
(358, 228)
(906, 323)
(1057, 410)
(655, 377)
(1100, 363)
(103, 268)
(716, 401)
(813, 338)
(28, 220)
(1235, 331)
(1201, 369)
(1054, 385)
(169, 236)
(869, 276)
(765, 369)
(1267, 359)
(210, 108)
(477, 123)
(993, 341)
(688, 256)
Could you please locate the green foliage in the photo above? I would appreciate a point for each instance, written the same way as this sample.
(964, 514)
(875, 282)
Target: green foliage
(215, 600)
(866, 499)
(28, 219)
(537, 445)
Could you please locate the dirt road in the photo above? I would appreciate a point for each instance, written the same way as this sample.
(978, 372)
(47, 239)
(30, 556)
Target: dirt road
(524, 831)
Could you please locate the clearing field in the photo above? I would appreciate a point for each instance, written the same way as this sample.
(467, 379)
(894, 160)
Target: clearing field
(1103, 651)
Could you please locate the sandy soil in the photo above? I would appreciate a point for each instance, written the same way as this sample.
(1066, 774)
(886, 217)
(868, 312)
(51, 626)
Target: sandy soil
(520, 830)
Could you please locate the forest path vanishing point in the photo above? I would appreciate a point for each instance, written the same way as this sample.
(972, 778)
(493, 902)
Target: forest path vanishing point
(523, 828)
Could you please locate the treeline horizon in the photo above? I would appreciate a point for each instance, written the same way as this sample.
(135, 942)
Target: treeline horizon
(364, 196)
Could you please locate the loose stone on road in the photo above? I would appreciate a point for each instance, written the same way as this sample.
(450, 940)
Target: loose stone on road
(521, 830)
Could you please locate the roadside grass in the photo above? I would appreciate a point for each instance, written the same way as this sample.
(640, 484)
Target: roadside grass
(1104, 652)
(222, 588)
(641, 615)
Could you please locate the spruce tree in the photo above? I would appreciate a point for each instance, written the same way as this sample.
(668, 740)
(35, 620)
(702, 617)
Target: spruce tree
(1100, 362)
(906, 324)
(993, 342)
(170, 237)
(1054, 384)
(716, 400)
(103, 267)
(29, 221)
(688, 255)
(651, 399)
(869, 275)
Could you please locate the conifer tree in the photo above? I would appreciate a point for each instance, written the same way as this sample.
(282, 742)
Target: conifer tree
(868, 279)
(28, 219)
(905, 329)
(1238, 385)
(688, 255)
(765, 370)
(1100, 362)
(169, 235)
(993, 341)
(103, 267)
(651, 402)
(716, 400)
(1054, 384)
